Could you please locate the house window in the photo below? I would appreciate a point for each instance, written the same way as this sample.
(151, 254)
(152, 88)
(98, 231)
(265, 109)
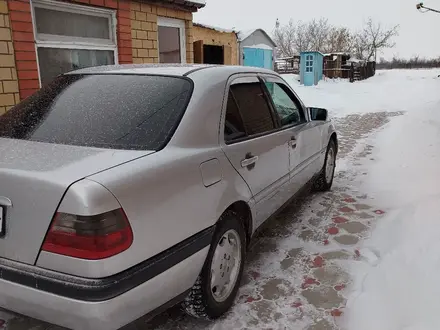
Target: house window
(309, 63)
(171, 39)
(70, 37)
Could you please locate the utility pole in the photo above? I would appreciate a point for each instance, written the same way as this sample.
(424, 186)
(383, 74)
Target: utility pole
(423, 9)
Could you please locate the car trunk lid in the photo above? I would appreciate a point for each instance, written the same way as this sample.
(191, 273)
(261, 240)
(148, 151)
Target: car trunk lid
(34, 177)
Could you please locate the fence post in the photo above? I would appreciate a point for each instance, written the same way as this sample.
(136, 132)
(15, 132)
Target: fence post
(352, 73)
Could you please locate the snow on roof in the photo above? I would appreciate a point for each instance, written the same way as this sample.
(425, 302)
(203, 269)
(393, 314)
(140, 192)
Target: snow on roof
(189, 3)
(259, 46)
(336, 53)
(243, 35)
(288, 58)
(311, 51)
(199, 2)
(213, 28)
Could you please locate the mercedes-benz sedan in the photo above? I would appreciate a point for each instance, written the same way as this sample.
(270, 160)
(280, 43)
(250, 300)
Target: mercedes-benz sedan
(124, 189)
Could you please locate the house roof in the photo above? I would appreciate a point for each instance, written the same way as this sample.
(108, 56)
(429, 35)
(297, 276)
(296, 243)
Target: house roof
(243, 35)
(312, 51)
(337, 53)
(288, 58)
(213, 28)
(196, 4)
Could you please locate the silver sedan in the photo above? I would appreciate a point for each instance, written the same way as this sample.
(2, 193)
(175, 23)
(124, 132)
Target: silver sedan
(125, 189)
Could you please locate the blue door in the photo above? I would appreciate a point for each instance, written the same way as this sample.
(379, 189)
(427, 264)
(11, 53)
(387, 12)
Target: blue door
(260, 58)
(268, 59)
(253, 57)
(309, 72)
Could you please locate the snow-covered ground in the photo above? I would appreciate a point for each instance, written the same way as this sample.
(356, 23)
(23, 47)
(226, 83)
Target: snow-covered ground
(396, 90)
(396, 285)
(399, 287)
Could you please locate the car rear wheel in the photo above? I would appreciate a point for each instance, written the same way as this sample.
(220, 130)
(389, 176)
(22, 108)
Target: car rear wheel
(324, 181)
(215, 289)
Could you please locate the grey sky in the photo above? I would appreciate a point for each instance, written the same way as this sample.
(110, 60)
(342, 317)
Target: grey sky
(418, 32)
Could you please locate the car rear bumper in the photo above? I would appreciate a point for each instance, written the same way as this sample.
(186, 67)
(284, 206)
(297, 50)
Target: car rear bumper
(107, 303)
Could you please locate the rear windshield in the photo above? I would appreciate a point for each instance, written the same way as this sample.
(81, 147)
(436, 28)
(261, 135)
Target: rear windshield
(131, 112)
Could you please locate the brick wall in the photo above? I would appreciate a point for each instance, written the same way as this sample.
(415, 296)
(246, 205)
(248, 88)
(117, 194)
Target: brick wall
(24, 43)
(218, 38)
(144, 31)
(136, 39)
(9, 91)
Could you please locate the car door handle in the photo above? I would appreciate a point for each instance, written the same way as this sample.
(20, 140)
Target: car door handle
(249, 161)
(292, 142)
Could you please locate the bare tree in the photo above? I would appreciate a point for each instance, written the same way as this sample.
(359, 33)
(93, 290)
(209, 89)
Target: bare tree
(284, 37)
(303, 40)
(339, 39)
(373, 38)
(318, 32)
(319, 35)
(296, 37)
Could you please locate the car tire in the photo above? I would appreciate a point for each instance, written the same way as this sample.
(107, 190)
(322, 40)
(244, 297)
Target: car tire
(204, 300)
(324, 181)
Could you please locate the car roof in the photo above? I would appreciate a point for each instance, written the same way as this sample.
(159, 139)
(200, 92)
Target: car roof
(168, 69)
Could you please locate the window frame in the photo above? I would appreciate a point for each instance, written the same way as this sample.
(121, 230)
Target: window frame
(43, 40)
(309, 63)
(241, 79)
(173, 23)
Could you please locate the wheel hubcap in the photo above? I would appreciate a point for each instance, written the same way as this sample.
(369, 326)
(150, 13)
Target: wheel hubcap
(330, 167)
(225, 265)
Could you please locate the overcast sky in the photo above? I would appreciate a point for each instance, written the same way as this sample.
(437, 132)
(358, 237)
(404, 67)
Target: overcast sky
(419, 33)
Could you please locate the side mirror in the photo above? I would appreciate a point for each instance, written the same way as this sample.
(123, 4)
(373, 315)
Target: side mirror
(318, 114)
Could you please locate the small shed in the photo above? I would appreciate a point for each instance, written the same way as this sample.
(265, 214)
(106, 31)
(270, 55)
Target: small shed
(311, 68)
(334, 65)
(256, 49)
(213, 45)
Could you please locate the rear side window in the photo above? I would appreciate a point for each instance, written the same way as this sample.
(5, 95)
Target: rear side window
(131, 112)
(247, 112)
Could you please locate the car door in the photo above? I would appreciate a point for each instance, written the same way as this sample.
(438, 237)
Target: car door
(253, 143)
(305, 141)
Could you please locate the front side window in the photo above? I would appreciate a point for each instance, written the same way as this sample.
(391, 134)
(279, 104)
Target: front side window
(247, 112)
(128, 112)
(70, 37)
(171, 39)
(288, 110)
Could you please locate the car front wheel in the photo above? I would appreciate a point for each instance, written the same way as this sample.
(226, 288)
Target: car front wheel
(324, 181)
(215, 289)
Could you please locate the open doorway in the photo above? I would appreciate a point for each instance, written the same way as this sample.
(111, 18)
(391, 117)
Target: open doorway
(213, 54)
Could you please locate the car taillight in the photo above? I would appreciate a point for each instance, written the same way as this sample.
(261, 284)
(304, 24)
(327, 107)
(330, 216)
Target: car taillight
(89, 237)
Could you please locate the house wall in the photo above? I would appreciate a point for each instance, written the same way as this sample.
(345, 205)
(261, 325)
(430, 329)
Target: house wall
(136, 34)
(9, 90)
(218, 38)
(24, 42)
(144, 31)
